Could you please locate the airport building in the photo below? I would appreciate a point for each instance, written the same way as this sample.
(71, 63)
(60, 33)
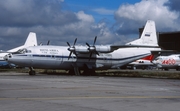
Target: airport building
(169, 40)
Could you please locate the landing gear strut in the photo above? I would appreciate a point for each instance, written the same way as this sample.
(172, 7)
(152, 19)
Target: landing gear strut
(89, 72)
(75, 70)
(32, 72)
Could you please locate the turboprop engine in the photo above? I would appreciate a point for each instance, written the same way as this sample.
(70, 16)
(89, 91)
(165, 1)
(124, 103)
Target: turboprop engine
(88, 48)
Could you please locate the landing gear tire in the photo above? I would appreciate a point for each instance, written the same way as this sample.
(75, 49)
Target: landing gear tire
(32, 73)
(178, 69)
(89, 72)
(166, 69)
(134, 68)
(71, 72)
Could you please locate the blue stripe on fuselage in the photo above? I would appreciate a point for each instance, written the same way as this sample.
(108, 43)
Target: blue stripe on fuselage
(92, 58)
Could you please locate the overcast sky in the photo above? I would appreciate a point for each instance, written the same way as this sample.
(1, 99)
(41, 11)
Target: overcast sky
(61, 21)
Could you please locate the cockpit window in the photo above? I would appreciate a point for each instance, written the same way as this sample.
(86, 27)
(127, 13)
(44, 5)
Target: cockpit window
(22, 51)
(158, 58)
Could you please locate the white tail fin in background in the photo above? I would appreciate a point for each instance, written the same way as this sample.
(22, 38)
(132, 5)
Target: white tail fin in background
(31, 40)
(148, 37)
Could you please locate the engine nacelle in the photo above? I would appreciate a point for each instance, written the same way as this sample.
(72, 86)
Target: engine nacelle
(98, 48)
(81, 49)
(103, 49)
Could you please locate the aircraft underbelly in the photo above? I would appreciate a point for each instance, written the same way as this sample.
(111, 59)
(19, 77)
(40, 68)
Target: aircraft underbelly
(46, 63)
(169, 66)
(129, 55)
(20, 61)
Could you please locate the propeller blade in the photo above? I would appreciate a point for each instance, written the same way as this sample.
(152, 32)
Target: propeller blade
(40, 44)
(97, 53)
(68, 44)
(69, 55)
(90, 56)
(94, 40)
(75, 42)
(48, 42)
(87, 44)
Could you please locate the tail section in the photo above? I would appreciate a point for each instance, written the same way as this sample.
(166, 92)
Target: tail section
(150, 57)
(31, 40)
(148, 37)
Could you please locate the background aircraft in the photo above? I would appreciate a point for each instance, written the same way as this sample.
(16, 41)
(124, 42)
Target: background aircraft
(87, 58)
(30, 41)
(168, 62)
(144, 63)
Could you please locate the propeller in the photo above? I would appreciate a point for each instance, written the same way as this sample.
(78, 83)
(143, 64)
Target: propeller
(92, 49)
(42, 43)
(71, 48)
(48, 42)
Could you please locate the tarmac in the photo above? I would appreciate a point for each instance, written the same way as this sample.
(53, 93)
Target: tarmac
(21, 92)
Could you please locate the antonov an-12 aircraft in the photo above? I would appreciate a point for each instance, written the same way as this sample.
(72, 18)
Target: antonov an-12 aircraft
(87, 58)
(30, 41)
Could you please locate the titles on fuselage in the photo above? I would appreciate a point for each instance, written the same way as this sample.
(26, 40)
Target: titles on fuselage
(49, 51)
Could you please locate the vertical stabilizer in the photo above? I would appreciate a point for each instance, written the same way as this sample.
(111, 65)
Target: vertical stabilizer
(148, 37)
(31, 40)
(150, 57)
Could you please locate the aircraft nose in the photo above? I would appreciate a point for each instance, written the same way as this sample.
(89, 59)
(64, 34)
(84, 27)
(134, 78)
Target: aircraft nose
(154, 62)
(157, 63)
(6, 57)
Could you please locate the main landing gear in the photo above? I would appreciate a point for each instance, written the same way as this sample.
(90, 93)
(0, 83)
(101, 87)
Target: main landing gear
(32, 72)
(86, 71)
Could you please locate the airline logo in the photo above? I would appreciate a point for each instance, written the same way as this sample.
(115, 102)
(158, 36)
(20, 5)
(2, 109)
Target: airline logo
(148, 35)
(169, 62)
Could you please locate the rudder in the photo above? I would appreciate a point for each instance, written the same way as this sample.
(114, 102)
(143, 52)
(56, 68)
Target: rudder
(148, 37)
(31, 40)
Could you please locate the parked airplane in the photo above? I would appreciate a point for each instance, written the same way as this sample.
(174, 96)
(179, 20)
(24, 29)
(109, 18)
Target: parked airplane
(144, 63)
(168, 62)
(87, 58)
(30, 41)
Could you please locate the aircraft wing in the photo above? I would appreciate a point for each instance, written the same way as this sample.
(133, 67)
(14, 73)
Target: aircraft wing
(96, 49)
(115, 47)
(157, 53)
(4, 51)
(163, 52)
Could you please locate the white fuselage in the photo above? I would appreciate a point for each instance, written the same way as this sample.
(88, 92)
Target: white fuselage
(57, 57)
(172, 61)
(141, 62)
(4, 63)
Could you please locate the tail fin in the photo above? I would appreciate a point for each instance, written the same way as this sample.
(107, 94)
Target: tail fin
(148, 37)
(31, 40)
(150, 57)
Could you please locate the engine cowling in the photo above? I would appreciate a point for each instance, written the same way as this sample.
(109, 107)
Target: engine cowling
(99, 48)
(103, 49)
